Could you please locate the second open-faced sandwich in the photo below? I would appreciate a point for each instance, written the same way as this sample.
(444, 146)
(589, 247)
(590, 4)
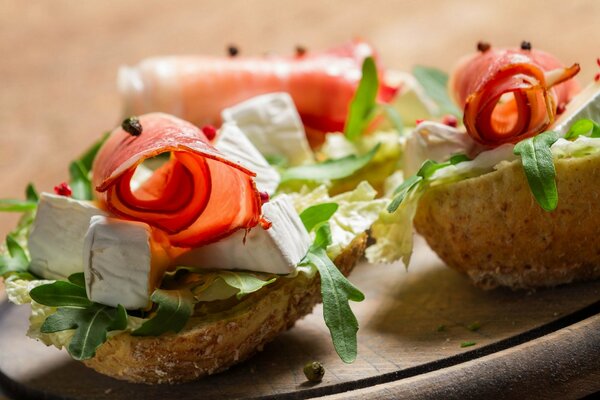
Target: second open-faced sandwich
(509, 197)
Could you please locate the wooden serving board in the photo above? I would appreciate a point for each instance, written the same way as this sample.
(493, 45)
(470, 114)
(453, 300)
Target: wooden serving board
(400, 341)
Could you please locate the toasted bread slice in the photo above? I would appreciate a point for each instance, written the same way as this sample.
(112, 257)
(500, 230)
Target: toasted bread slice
(210, 345)
(491, 228)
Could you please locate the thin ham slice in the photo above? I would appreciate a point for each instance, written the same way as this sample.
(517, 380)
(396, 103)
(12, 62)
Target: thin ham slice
(197, 197)
(198, 88)
(483, 84)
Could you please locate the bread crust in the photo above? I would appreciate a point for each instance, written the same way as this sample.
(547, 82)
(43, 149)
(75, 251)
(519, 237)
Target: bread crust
(206, 347)
(491, 228)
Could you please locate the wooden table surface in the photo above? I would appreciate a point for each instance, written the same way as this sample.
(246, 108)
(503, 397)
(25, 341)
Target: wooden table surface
(59, 59)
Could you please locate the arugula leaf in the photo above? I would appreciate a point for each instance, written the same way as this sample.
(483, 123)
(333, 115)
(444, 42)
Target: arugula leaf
(402, 191)
(175, 307)
(336, 291)
(78, 279)
(585, 127)
(538, 165)
(245, 282)
(79, 171)
(458, 158)
(80, 183)
(277, 160)
(394, 117)
(16, 260)
(330, 169)
(317, 214)
(423, 174)
(363, 105)
(426, 171)
(14, 205)
(88, 157)
(92, 325)
(435, 84)
(61, 294)
(31, 194)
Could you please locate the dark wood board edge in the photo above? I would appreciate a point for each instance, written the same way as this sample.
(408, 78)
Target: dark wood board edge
(562, 365)
(445, 378)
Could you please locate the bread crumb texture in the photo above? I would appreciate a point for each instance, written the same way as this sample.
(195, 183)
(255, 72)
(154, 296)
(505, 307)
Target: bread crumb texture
(207, 346)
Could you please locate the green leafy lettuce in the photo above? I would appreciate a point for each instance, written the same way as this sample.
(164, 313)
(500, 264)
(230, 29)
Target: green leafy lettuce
(357, 210)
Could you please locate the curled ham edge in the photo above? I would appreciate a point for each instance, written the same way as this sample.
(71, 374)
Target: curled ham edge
(196, 198)
(534, 103)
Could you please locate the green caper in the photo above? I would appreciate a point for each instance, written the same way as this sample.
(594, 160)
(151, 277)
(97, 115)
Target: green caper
(314, 371)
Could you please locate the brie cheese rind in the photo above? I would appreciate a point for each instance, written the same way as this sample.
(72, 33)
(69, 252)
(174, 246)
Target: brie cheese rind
(276, 250)
(272, 123)
(57, 234)
(122, 263)
(237, 148)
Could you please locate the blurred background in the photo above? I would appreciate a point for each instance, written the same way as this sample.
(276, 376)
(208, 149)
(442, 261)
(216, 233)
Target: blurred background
(59, 59)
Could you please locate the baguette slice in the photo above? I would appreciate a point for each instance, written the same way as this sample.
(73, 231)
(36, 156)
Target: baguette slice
(207, 346)
(491, 228)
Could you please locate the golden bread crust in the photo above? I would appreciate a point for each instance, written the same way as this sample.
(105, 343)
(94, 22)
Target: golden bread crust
(491, 228)
(206, 347)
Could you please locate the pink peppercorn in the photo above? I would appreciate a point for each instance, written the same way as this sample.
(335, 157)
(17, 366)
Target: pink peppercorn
(63, 189)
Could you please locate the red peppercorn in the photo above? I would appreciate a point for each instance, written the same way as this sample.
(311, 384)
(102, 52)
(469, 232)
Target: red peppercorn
(418, 121)
(597, 77)
(63, 189)
(560, 108)
(450, 120)
(209, 131)
(598, 61)
(264, 197)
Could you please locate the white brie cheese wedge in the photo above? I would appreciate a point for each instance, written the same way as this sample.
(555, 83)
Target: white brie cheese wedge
(120, 265)
(273, 125)
(276, 250)
(57, 233)
(235, 145)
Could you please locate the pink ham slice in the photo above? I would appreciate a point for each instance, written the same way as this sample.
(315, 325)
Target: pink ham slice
(197, 197)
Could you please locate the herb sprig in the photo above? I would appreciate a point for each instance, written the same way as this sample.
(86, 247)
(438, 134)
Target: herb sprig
(80, 171)
(364, 104)
(422, 177)
(336, 291)
(538, 165)
(331, 169)
(91, 321)
(364, 107)
(435, 84)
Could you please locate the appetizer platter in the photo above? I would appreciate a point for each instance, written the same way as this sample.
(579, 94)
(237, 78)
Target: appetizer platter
(239, 192)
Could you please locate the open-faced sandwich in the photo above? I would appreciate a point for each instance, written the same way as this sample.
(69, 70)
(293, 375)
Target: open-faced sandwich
(177, 250)
(509, 197)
